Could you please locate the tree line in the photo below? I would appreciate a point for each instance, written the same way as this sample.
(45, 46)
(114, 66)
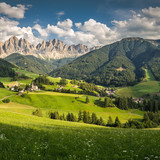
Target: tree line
(83, 116)
(150, 119)
(125, 103)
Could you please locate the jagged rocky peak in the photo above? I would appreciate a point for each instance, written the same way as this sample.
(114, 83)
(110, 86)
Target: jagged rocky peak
(54, 49)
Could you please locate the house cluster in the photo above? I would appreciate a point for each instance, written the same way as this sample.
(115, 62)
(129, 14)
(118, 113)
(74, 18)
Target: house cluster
(60, 88)
(34, 88)
(138, 100)
(15, 87)
(110, 92)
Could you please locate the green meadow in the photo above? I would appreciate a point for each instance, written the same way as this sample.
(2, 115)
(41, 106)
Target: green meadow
(27, 137)
(5, 92)
(64, 103)
(27, 73)
(149, 85)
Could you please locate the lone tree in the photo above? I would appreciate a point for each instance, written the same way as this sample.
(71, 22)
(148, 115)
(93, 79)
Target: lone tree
(87, 99)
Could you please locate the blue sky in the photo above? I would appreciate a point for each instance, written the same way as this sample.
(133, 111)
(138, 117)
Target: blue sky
(91, 22)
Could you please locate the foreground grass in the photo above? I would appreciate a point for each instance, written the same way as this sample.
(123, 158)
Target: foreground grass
(28, 137)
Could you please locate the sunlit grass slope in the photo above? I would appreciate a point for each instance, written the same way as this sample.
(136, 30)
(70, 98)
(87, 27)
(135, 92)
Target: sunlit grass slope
(27, 137)
(148, 86)
(64, 103)
(5, 92)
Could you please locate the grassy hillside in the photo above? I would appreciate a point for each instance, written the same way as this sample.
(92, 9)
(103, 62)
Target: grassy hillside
(149, 85)
(5, 92)
(29, 137)
(64, 103)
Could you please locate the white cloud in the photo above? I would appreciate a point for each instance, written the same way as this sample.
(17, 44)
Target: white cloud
(151, 12)
(78, 25)
(145, 24)
(41, 31)
(91, 33)
(67, 24)
(9, 28)
(59, 31)
(61, 13)
(13, 12)
(102, 33)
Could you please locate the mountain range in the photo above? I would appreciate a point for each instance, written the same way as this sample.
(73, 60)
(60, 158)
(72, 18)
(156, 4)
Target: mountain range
(121, 63)
(52, 49)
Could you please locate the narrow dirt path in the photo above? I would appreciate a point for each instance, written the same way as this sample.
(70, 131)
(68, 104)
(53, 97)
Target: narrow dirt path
(7, 97)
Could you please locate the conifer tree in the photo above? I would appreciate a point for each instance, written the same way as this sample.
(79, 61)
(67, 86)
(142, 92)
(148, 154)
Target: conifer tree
(80, 116)
(106, 102)
(110, 122)
(68, 117)
(94, 118)
(117, 123)
(64, 118)
(101, 121)
(85, 117)
(146, 117)
(87, 99)
(71, 117)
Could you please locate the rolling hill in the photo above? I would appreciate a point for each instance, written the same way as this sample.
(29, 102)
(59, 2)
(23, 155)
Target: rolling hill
(120, 64)
(36, 65)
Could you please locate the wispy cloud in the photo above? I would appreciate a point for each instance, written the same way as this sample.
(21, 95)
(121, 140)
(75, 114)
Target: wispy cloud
(13, 11)
(61, 13)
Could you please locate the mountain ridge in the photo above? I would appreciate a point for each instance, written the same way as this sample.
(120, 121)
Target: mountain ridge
(52, 49)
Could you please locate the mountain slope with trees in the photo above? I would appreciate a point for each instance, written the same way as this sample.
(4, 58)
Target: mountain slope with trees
(6, 69)
(36, 65)
(120, 64)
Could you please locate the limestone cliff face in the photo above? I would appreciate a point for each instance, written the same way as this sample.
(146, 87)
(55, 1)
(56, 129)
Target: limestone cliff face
(53, 49)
